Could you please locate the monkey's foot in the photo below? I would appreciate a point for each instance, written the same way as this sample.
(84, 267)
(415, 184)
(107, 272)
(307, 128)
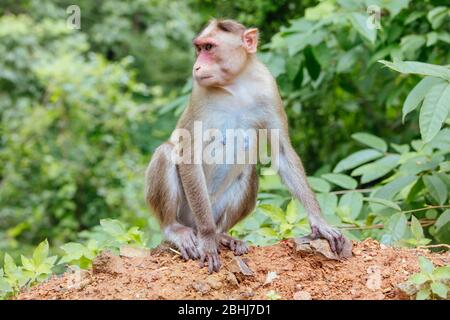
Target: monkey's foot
(338, 243)
(209, 253)
(237, 246)
(185, 240)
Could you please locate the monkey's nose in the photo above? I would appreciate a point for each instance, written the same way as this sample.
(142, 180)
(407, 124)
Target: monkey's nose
(197, 68)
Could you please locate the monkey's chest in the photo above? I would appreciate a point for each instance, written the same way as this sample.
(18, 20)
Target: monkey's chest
(230, 144)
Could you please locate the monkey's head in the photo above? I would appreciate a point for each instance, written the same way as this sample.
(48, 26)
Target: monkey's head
(222, 50)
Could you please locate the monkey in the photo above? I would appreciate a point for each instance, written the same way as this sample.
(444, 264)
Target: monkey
(198, 203)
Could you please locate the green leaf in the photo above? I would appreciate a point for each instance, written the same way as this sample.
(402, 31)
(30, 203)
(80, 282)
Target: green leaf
(442, 273)
(292, 212)
(426, 265)
(370, 140)
(40, 253)
(411, 43)
(359, 22)
(113, 227)
(434, 110)
(416, 228)
(73, 250)
(421, 68)
(297, 42)
(437, 16)
(436, 187)
(320, 11)
(9, 265)
(27, 263)
(416, 96)
(423, 294)
(311, 63)
(395, 229)
(319, 184)
(268, 232)
(396, 6)
(328, 203)
(341, 180)
(439, 289)
(356, 159)
(4, 286)
(348, 60)
(443, 219)
(377, 169)
(384, 202)
(390, 190)
(273, 212)
(354, 202)
(418, 278)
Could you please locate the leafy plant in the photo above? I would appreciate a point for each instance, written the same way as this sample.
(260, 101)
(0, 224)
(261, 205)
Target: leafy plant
(111, 235)
(430, 282)
(35, 269)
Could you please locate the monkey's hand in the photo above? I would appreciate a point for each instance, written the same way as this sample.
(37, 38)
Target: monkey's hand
(209, 252)
(338, 242)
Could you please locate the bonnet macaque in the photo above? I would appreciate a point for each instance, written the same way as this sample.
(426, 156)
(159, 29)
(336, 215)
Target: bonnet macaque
(196, 202)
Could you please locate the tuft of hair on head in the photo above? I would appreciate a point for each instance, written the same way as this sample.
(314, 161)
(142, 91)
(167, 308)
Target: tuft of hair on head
(228, 25)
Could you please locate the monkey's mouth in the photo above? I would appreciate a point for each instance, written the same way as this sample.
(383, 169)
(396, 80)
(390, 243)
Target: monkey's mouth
(205, 77)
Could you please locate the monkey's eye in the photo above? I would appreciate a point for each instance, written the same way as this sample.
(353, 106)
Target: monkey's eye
(207, 47)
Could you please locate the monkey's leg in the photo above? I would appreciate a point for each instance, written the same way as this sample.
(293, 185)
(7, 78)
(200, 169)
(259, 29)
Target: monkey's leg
(234, 205)
(164, 194)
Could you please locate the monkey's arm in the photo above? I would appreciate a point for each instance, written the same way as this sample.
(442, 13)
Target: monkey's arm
(293, 175)
(194, 185)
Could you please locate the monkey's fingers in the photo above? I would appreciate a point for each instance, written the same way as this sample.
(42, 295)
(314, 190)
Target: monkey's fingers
(214, 263)
(241, 248)
(210, 264)
(184, 254)
(193, 252)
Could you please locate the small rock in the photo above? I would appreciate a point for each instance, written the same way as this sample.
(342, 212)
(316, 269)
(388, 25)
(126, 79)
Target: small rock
(214, 282)
(237, 265)
(271, 275)
(77, 279)
(247, 294)
(306, 244)
(231, 278)
(408, 288)
(302, 295)
(201, 287)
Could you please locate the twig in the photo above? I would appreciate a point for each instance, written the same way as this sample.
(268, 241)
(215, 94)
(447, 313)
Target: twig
(423, 223)
(426, 208)
(175, 251)
(441, 245)
(354, 190)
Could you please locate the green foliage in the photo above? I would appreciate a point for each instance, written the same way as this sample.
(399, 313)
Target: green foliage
(68, 117)
(35, 269)
(430, 282)
(110, 235)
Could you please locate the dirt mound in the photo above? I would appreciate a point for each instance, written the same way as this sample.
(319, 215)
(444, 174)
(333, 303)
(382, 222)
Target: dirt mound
(373, 272)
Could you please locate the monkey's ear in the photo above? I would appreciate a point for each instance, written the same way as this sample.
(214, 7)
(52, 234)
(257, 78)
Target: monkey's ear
(250, 39)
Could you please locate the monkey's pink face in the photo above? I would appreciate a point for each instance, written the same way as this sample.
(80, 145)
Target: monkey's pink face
(221, 56)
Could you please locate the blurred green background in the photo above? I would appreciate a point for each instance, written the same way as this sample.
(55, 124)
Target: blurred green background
(82, 110)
